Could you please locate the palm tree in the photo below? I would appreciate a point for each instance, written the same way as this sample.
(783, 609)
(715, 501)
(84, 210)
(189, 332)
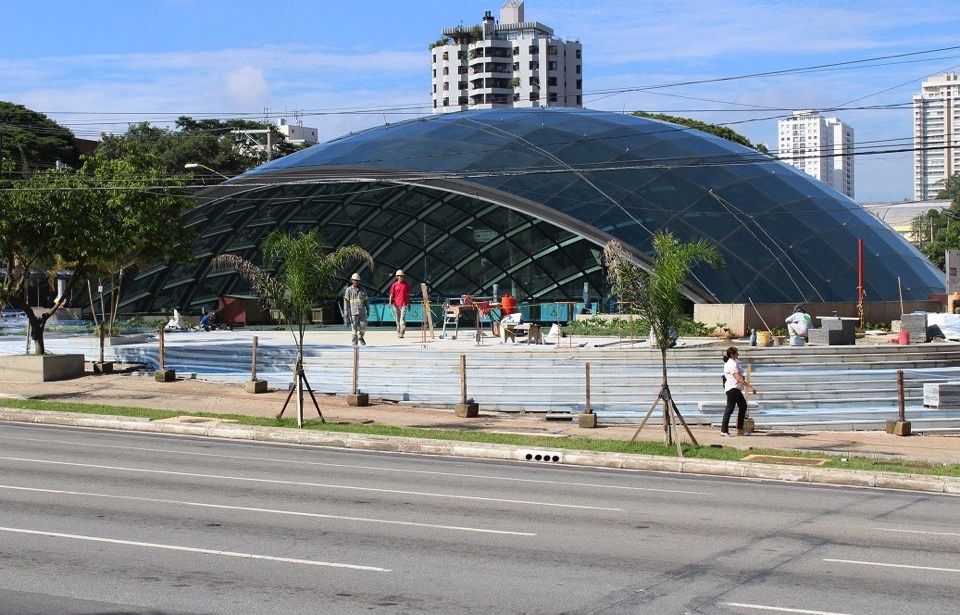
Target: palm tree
(306, 273)
(656, 296)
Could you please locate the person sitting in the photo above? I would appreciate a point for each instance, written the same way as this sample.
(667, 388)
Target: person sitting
(799, 322)
(204, 324)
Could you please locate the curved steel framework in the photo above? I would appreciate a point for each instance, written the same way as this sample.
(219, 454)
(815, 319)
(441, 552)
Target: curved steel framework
(456, 243)
(526, 199)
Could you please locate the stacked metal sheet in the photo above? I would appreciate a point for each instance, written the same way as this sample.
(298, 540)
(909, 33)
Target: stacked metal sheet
(941, 394)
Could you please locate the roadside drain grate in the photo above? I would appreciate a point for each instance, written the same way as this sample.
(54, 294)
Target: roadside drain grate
(797, 461)
(541, 457)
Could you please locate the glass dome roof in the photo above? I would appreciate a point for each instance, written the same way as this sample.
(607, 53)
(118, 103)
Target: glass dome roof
(528, 197)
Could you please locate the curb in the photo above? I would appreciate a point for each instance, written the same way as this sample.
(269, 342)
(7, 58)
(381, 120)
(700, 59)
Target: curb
(502, 452)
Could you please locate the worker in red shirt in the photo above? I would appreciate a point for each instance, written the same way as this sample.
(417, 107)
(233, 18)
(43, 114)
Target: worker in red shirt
(398, 298)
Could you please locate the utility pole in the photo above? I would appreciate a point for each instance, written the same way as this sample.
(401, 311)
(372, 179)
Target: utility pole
(260, 131)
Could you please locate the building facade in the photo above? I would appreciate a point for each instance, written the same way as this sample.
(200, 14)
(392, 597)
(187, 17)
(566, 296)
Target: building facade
(297, 134)
(510, 63)
(936, 137)
(821, 147)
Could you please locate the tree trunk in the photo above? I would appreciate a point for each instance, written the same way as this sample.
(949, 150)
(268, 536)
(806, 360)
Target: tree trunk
(36, 333)
(103, 336)
(37, 323)
(663, 387)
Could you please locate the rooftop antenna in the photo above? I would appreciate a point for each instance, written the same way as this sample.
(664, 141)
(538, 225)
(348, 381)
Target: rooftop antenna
(298, 116)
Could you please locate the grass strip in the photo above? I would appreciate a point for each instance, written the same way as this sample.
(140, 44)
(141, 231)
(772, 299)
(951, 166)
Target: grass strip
(566, 442)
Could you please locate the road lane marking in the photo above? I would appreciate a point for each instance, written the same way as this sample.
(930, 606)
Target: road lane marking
(780, 609)
(309, 484)
(887, 565)
(362, 467)
(152, 545)
(265, 510)
(890, 529)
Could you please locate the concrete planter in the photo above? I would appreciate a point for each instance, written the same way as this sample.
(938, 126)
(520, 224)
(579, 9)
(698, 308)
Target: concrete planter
(41, 368)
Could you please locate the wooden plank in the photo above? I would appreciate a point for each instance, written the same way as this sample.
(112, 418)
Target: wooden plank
(427, 313)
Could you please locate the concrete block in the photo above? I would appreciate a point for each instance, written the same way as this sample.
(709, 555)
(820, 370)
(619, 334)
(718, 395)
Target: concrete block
(916, 325)
(897, 428)
(165, 375)
(358, 399)
(466, 411)
(825, 337)
(41, 368)
(587, 420)
(102, 368)
(255, 386)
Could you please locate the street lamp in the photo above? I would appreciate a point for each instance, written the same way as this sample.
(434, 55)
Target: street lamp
(194, 165)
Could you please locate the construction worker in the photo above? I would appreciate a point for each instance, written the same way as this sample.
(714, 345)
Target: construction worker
(355, 309)
(398, 298)
(799, 322)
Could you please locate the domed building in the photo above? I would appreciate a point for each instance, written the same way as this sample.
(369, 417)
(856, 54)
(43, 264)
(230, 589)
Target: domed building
(525, 199)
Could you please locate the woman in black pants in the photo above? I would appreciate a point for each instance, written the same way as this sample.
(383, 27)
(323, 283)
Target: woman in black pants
(733, 383)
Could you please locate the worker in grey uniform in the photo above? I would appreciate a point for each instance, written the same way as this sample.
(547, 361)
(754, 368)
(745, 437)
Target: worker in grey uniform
(355, 309)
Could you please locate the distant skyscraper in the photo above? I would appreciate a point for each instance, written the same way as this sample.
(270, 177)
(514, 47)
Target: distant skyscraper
(510, 63)
(936, 135)
(819, 146)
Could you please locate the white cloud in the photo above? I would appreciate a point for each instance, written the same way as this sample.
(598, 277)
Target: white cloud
(247, 86)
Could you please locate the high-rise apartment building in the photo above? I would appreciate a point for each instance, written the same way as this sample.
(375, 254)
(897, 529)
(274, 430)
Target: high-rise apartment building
(819, 146)
(936, 135)
(510, 63)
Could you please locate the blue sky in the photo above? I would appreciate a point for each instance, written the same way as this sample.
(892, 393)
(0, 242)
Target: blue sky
(98, 64)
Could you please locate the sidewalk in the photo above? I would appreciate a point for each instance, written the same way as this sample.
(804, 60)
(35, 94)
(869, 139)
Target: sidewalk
(195, 395)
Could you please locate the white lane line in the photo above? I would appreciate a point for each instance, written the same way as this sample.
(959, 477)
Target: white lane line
(887, 565)
(266, 510)
(362, 467)
(780, 609)
(152, 545)
(890, 529)
(309, 484)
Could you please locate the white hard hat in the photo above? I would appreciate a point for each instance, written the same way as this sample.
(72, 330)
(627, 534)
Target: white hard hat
(355, 276)
(399, 272)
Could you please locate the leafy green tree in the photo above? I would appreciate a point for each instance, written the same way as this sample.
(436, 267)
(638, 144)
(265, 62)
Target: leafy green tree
(142, 211)
(107, 212)
(209, 142)
(935, 232)
(721, 131)
(951, 190)
(305, 274)
(30, 141)
(656, 295)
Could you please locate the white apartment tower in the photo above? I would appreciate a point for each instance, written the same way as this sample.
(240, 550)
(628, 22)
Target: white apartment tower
(819, 146)
(936, 135)
(510, 63)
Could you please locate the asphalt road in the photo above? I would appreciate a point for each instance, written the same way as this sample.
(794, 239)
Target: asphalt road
(98, 523)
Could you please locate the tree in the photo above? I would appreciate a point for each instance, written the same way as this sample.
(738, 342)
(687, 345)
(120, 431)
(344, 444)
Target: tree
(936, 231)
(30, 141)
(142, 223)
(209, 142)
(656, 296)
(721, 131)
(305, 274)
(78, 221)
(951, 190)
